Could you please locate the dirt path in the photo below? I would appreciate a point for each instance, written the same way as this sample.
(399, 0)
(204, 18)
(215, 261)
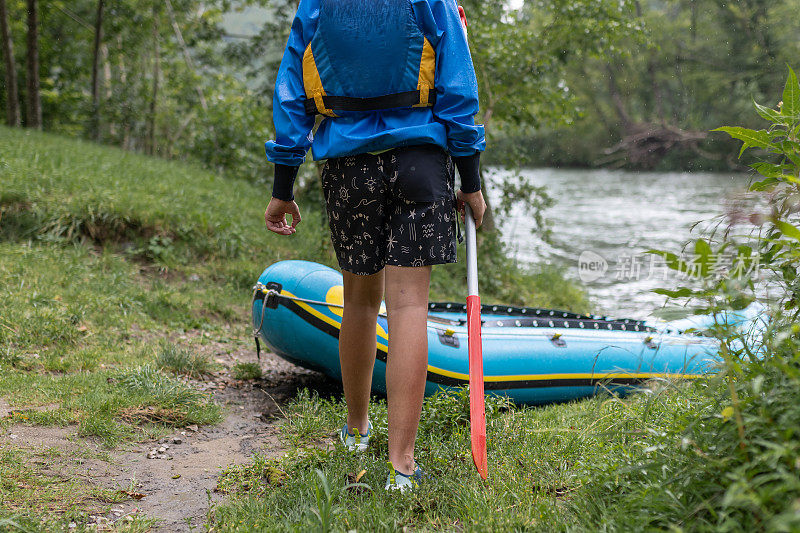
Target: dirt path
(178, 486)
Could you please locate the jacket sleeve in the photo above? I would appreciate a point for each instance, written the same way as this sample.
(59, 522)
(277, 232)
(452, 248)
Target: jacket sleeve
(456, 86)
(292, 126)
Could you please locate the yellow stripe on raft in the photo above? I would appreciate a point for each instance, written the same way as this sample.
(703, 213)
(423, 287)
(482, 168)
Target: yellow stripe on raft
(596, 375)
(529, 377)
(338, 325)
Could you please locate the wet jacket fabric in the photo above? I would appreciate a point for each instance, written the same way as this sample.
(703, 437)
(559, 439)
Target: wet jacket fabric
(369, 48)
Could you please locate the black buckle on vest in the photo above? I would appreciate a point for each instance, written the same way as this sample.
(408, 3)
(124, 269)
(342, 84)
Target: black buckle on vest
(374, 103)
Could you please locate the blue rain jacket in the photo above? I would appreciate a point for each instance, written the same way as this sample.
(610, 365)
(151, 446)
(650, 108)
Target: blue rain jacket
(358, 53)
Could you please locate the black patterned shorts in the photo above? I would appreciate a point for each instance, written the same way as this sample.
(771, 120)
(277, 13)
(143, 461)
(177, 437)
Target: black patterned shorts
(395, 208)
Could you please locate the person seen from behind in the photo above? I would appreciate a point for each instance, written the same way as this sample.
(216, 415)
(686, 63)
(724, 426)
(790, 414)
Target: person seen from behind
(395, 87)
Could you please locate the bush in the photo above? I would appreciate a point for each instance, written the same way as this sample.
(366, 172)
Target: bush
(731, 460)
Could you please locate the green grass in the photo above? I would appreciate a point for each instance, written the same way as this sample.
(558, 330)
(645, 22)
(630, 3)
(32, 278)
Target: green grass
(664, 459)
(179, 360)
(28, 486)
(69, 315)
(108, 257)
(104, 255)
(246, 371)
(172, 216)
(540, 459)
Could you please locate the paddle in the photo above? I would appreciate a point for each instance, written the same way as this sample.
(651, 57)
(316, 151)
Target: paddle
(477, 409)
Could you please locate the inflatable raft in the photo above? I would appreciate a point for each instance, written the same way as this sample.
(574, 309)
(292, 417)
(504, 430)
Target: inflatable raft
(531, 355)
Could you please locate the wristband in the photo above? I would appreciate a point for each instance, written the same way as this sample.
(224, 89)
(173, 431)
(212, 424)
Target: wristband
(283, 184)
(469, 170)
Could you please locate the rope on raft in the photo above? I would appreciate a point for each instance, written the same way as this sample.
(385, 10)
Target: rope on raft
(530, 317)
(535, 317)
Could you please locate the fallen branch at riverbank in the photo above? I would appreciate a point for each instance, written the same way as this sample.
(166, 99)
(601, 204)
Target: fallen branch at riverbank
(644, 145)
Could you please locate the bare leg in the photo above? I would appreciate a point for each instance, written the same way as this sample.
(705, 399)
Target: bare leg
(357, 343)
(407, 308)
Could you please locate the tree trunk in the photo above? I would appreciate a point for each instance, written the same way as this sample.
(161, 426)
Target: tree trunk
(190, 64)
(651, 74)
(122, 69)
(32, 96)
(619, 103)
(98, 37)
(12, 98)
(151, 120)
(112, 130)
(186, 56)
(106, 71)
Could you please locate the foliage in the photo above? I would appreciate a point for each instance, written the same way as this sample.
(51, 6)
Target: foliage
(725, 462)
(448, 411)
(174, 83)
(521, 56)
(698, 65)
(561, 81)
(778, 188)
(521, 59)
(157, 94)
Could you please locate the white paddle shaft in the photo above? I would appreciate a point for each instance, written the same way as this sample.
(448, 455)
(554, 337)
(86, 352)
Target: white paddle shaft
(472, 254)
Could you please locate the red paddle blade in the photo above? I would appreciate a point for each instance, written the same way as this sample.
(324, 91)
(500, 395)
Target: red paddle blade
(477, 408)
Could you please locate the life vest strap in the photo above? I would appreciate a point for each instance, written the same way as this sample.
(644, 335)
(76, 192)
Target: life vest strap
(374, 103)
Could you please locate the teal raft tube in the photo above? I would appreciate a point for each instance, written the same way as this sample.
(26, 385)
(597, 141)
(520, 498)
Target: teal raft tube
(533, 356)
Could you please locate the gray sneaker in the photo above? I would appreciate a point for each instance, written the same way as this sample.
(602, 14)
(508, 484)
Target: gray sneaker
(355, 441)
(403, 482)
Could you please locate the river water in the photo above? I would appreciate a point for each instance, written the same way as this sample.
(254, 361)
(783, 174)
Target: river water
(604, 220)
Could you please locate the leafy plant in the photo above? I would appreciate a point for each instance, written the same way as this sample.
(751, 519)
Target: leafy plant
(448, 410)
(779, 185)
(775, 196)
(324, 497)
(735, 432)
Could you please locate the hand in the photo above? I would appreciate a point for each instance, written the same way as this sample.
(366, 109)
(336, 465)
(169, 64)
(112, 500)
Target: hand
(275, 216)
(476, 203)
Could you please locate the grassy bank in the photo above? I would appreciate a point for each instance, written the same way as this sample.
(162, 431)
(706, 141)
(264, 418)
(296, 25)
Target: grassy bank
(663, 459)
(116, 270)
(171, 217)
(668, 458)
